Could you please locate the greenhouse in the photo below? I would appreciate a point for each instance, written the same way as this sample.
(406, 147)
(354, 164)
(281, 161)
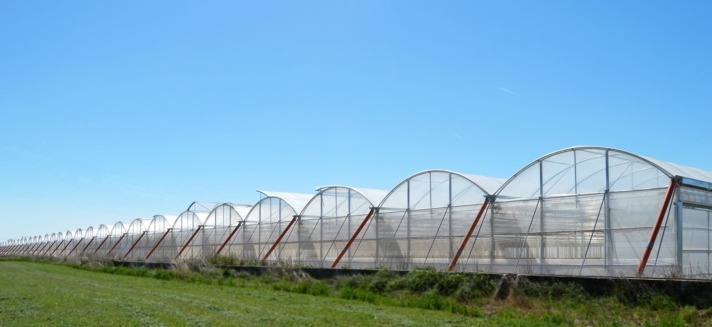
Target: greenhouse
(264, 227)
(582, 211)
(325, 225)
(421, 221)
(595, 211)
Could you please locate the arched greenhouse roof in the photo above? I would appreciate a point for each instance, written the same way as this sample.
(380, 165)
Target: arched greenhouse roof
(102, 231)
(294, 203)
(189, 220)
(227, 214)
(432, 184)
(295, 200)
(138, 226)
(118, 229)
(160, 223)
(593, 169)
(89, 232)
(200, 206)
(372, 198)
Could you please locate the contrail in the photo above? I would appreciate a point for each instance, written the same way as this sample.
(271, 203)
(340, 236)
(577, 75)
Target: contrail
(508, 91)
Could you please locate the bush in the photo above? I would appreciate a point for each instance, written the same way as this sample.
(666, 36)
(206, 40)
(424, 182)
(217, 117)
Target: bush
(422, 280)
(475, 286)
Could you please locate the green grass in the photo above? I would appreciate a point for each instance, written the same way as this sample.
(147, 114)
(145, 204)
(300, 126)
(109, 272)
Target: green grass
(44, 293)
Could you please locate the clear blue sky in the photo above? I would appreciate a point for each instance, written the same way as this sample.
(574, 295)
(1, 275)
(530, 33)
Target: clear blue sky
(113, 110)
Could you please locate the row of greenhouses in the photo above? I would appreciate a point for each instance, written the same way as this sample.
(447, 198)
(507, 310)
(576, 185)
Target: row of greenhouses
(585, 211)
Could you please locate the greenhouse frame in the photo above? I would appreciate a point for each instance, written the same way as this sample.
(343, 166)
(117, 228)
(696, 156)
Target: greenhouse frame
(580, 211)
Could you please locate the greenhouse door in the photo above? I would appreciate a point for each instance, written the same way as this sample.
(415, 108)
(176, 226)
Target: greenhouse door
(696, 241)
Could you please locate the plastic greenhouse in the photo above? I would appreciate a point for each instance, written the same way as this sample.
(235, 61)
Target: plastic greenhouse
(587, 211)
(598, 211)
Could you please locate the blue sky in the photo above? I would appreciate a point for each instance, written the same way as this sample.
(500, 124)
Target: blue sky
(118, 110)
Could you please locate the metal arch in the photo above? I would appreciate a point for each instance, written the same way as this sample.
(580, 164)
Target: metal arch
(323, 189)
(228, 205)
(122, 227)
(580, 148)
(445, 171)
(102, 228)
(89, 232)
(156, 219)
(215, 204)
(269, 196)
(195, 218)
(292, 204)
(141, 225)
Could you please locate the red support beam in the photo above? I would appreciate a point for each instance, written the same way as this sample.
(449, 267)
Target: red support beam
(40, 248)
(353, 238)
(49, 248)
(279, 239)
(189, 240)
(28, 249)
(168, 231)
(101, 244)
(116, 244)
(466, 239)
(86, 247)
(65, 247)
(656, 228)
(75, 247)
(18, 249)
(32, 248)
(134, 245)
(56, 248)
(229, 237)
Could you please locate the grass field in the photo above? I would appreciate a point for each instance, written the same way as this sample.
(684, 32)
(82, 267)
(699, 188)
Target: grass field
(51, 294)
(41, 294)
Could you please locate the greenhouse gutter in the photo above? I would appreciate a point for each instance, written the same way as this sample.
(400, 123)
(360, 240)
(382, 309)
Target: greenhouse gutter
(696, 183)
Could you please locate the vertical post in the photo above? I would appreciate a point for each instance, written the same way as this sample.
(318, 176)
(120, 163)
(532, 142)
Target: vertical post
(229, 237)
(353, 237)
(348, 219)
(542, 240)
(607, 235)
(134, 245)
(449, 216)
(189, 240)
(679, 221)
(407, 227)
(160, 240)
(656, 228)
(466, 239)
(279, 239)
